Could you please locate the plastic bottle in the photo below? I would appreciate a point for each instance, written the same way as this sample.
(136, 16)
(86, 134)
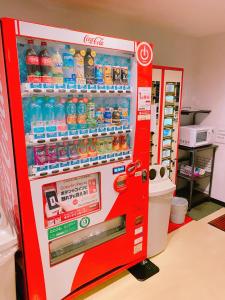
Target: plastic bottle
(36, 114)
(79, 66)
(89, 66)
(32, 63)
(45, 64)
(82, 148)
(116, 143)
(71, 110)
(91, 147)
(82, 112)
(57, 68)
(100, 147)
(108, 116)
(108, 144)
(99, 115)
(26, 114)
(60, 115)
(49, 115)
(116, 117)
(91, 121)
(123, 142)
(124, 112)
(68, 65)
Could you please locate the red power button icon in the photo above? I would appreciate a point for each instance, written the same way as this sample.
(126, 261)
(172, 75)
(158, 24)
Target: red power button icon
(144, 54)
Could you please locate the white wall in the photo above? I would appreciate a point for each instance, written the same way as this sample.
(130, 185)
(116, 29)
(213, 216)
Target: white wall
(170, 48)
(210, 83)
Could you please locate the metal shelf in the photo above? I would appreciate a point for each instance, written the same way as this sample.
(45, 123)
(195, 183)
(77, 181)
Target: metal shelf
(195, 178)
(194, 112)
(189, 192)
(197, 196)
(197, 149)
(202, 111)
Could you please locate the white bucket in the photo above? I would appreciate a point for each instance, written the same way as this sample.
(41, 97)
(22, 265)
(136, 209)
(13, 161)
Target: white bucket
(178, 210)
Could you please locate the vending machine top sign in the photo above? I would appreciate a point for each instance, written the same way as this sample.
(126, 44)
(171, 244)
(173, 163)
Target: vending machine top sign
(79, 107)
(70, 36)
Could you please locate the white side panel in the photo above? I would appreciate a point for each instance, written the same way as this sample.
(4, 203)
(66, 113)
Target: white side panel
(156, 74)
(52, 274)
(70, 36)
(173, 76)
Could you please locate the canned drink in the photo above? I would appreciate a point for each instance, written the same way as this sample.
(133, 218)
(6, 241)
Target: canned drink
(108, 75)
(51, 153)
(123, 142)
(124, 75)
(73, 151)
(40, 155)
(116, 70)
(99, 74)
(116, 143)
(62, 151)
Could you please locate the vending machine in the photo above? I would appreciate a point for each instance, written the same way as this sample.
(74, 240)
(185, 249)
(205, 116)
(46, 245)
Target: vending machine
(165, 117)
(74, 154)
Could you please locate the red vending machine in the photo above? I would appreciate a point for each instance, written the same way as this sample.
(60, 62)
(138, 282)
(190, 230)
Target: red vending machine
(74, 154)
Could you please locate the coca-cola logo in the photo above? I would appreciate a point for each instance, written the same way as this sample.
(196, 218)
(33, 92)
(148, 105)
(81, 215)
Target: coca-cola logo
(94, 41)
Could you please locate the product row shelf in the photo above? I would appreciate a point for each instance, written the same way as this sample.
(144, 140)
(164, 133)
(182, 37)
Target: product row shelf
(52, 137)
(65, 166)
(28, 89)
(190, 178)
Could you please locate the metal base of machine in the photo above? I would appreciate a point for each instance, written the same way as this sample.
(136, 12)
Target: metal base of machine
(144, 270)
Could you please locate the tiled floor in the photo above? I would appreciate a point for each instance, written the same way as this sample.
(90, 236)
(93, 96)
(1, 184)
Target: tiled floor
(191, 268)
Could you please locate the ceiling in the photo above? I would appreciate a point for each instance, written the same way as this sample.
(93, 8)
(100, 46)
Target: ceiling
(190, 17)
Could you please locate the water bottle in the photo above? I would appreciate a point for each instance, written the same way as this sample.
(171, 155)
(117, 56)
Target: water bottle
(36, 115)
(60, 115)
(68, 65)
(108, 114)
(49, 116)
(124, 111)
(26, 114)
(71, 110)
(82, 112)
(91, 121)
(99, 115)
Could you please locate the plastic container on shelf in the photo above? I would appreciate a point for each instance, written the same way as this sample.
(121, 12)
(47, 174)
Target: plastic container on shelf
(178, 210)
(8, 247)
(160, 197)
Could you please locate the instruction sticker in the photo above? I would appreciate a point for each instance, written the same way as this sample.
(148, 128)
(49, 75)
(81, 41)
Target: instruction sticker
(144, 103)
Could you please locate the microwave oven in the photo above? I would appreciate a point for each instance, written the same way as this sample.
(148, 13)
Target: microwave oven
(196, 135)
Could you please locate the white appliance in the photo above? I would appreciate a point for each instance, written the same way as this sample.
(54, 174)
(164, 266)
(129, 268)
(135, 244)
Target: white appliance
(196, 135)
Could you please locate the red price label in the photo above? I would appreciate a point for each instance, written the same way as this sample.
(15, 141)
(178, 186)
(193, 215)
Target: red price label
(144, 54)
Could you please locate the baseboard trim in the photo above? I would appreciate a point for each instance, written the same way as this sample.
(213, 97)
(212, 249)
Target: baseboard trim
(218, 202)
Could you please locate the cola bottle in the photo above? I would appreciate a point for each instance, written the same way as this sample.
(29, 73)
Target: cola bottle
(32, 62)
(45, 64)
